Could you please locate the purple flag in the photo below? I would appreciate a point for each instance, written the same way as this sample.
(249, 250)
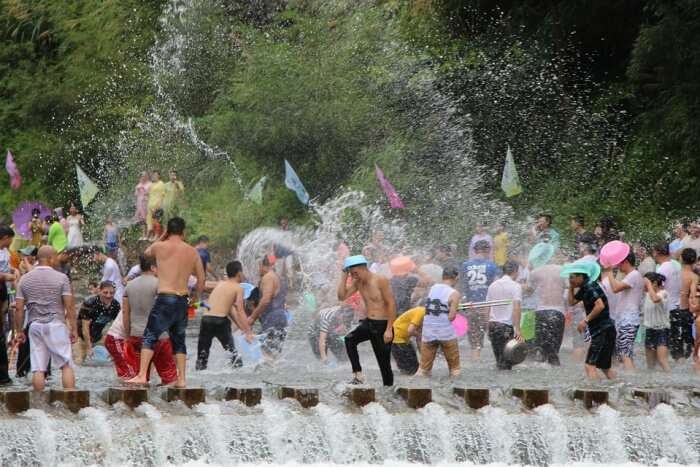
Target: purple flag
(13, 171)
(394, 200)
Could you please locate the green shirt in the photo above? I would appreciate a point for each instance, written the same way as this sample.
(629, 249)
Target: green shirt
(57, 237)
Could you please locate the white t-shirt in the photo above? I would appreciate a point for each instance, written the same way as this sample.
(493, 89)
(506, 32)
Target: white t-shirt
(116, 330)
(629, 300)
(612, 298)
(672, 284)
(504, 288)
(5, 260)
(110, 272)
(690, 242)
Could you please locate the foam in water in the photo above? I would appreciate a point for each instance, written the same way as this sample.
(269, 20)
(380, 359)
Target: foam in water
(556, 432)
(46, 437)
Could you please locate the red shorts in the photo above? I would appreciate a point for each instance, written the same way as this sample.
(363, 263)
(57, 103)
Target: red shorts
(126, 355)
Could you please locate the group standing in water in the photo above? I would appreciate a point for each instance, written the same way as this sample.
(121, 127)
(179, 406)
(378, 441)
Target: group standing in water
(390, 300)
(652, 299)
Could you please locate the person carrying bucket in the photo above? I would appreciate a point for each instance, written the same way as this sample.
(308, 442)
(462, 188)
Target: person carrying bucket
(545, 282)
(504, 320)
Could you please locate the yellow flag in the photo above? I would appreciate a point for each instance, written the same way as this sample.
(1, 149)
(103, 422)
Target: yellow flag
(87, 187)
(510, 183)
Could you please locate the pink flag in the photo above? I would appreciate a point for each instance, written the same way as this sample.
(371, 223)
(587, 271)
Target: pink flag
(394, 200)
(13, 171)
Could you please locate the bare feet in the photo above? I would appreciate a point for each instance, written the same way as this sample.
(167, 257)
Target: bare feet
(137, 381)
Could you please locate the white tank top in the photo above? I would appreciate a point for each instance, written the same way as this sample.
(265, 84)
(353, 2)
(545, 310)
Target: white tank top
(437, 327)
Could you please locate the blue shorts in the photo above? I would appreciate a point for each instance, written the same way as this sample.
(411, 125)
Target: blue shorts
(169, 313)
(274, 319)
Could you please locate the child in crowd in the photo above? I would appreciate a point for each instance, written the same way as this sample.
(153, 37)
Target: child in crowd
(110, 236)
(156, 226)
(656, 321)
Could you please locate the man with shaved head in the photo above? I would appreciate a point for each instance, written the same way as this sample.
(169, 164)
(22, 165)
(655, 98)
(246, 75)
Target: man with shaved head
(44, 294)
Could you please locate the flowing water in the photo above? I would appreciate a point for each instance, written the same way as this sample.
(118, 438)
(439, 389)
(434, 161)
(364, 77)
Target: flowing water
(281, 432)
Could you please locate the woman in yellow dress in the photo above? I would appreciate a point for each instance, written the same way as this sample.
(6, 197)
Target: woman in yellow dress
(155, 198)
(174, 196)
(501, 244)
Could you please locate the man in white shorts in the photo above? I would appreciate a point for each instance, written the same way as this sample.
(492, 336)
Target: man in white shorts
(47, 296)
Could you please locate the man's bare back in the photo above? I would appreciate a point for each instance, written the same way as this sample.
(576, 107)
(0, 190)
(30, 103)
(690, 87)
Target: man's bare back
(689, 282)
(225, 296)
(176, 261)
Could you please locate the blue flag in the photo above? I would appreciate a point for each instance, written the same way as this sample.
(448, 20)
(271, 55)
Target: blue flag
(291, 180)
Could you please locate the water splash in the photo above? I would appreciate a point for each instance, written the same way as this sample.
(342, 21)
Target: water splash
(103, 432)
(555, 432)
(611, 430)
(46, 436)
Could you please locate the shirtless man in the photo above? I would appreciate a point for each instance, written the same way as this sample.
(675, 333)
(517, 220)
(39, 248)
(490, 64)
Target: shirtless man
(225, 304)
(688, 301)
(271, 309)
(381, 313)
(175, 260)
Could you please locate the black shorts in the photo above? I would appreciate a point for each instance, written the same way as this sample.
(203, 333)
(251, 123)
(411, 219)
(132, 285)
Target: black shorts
(406, 358)
(656, 338)
(602, 348)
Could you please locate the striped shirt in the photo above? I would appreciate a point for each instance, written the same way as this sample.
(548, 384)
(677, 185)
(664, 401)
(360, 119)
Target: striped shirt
(42, 290)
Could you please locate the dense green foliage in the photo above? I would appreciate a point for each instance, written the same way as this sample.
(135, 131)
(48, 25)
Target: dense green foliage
(598, 99)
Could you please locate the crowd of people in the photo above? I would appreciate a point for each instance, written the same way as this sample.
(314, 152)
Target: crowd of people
(408, 306)
(414, 302)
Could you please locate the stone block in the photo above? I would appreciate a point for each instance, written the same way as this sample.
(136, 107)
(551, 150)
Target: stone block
(190, 396)
(132, 397)
(361, 396)
(72, 399)
(249, 396)
(531, 397)
(474, 398)
(15, 401)
(591, 397)
(416, 398)
(652, 397)
(307, 397)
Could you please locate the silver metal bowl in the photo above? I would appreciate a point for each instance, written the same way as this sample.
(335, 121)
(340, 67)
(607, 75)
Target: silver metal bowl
(515, 352)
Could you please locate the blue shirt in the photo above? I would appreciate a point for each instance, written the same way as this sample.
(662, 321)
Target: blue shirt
(204, 256)
(477, 275)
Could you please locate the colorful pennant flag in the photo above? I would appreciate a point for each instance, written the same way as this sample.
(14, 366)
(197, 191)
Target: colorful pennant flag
(394, 200)
(510, 183)
(87, 187)
(256, 193)
(292, 181)
(13, 171)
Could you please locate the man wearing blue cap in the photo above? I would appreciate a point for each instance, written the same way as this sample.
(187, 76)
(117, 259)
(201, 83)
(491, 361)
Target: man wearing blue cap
(225, 305)
(381, 313)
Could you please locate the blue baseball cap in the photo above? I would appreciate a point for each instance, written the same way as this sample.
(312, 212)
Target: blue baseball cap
(352, 261)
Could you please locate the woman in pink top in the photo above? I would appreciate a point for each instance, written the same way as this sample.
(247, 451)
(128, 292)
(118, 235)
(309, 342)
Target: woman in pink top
(141, 194)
